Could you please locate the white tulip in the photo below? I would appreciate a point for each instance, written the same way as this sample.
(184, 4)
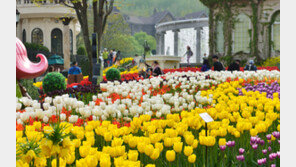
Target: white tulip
(19, 121)
(63, 117)
(158, 114)
(18, 106)
(45, 119)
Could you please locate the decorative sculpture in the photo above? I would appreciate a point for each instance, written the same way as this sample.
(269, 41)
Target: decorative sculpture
(146, 49)
(25, 69)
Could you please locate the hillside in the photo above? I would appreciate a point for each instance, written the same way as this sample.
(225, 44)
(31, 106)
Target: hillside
(178, 8)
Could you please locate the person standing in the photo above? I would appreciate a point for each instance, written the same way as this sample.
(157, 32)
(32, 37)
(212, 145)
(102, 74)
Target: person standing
(217, 65)
(105, 57)
(250, 66)
(189, 54)
(234, 66)
(117, 58)
(205, 65)
(74, 70)
(110, 57)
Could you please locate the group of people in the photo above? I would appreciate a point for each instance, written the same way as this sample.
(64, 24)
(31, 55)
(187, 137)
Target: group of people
(111, 57)
(235, 66)
(145, 70)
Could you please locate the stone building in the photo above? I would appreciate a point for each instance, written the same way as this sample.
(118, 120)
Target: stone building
(50, 24)
(245, 28)
(147, 24)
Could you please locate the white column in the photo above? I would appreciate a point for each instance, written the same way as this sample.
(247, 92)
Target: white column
(198, 57)
(157, 43)
(176, 40)
(162, 43)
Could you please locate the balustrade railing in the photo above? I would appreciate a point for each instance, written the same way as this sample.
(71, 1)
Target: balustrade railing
(43, 2)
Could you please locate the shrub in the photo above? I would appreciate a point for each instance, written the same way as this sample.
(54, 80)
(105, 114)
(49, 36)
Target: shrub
(274, 61)
(121, 69)
(18, 91)
(31, 89)
(81, 51)
(33, 49)
(113, 74)
(53, 81)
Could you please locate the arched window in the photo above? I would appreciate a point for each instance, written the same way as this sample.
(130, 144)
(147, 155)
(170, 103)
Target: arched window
(241, 37)
(220, 37)
(57, 41)
(37, 36)
(275, 36)
(24, 36)
(71, 42)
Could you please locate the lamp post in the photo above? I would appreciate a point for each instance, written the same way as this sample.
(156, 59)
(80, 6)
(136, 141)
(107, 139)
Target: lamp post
(17, 16)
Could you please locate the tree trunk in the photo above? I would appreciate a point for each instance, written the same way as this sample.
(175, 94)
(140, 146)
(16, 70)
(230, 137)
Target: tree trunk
(212, 32)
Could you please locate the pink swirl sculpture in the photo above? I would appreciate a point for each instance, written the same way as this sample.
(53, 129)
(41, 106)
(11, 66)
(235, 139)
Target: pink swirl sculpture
(25, 69)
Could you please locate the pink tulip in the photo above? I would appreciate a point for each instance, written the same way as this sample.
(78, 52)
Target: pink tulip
(241, 151)
(264, 151)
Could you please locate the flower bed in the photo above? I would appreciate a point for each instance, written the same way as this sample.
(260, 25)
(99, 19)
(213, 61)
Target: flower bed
(156, 122)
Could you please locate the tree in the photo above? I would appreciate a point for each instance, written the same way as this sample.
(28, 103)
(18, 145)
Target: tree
(101, 10)
(117, 36)
(141, 37)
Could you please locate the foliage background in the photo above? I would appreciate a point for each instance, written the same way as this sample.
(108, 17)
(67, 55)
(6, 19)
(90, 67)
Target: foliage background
(34, 49)
(145, 7)
(31, 89)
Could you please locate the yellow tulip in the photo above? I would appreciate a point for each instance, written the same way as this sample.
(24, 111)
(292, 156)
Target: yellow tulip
(253, 132)
(170, 155)
(222, 142)
(155, 154)
(189, 139)
(178, 146)
(195, 143)
(108, 136)
(192, 158)
(149, 149)
(133, 155)
(159, 146)
(188, 150)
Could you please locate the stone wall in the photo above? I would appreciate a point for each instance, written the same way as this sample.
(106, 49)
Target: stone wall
(265, 12)
(46, 25)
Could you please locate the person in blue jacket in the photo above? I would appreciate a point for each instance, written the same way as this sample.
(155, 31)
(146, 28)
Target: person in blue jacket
(74, 70)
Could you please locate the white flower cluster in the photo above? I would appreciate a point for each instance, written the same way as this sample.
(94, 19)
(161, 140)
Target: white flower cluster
(137, 97)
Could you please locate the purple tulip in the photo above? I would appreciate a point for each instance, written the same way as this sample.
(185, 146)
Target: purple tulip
(241, 151)
(230, 143)
(276, 134)
(279, 141)
(262, 142)
(222, 148)
(233, 143)
(269, 149)
(278, 154)
(268, 137)
(240, 157)
(261, 161)
(253, 140)
(264, 151)
(272, 165)
(255, 146)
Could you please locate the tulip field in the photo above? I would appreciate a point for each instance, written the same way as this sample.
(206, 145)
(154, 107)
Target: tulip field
(156, 122)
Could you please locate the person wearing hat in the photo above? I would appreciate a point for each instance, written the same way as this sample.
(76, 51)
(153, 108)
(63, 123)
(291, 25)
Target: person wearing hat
(251, 66)
(105, 57)
(234, 66)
